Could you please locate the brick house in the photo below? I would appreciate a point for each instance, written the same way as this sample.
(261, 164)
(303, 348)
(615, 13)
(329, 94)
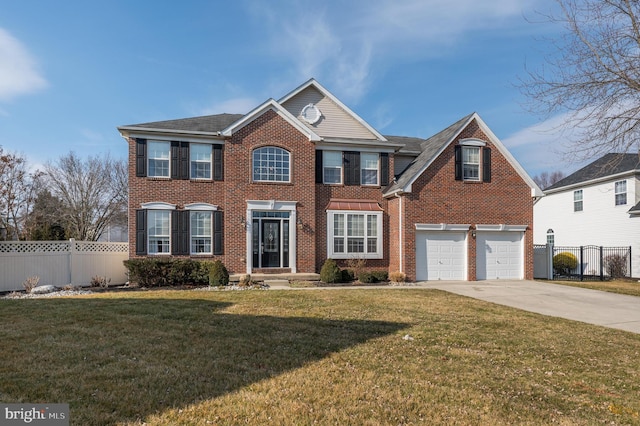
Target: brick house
(302, 179)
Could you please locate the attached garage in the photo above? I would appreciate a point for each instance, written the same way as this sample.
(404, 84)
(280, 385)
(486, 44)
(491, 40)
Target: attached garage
(499, 252)
(441, 254)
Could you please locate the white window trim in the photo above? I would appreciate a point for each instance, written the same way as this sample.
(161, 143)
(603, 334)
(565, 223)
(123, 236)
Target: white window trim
(340, 167)
(362, 169)
(167, 253)
(330, 232)
(191, 236)
(290, 169)
(581, 200)
(158, 206)
(200, 206)
(616, 193)
(149, 158)
(478, 164)
(191, 161)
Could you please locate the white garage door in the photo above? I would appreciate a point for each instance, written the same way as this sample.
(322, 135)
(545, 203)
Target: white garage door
(440, 256)
(499, 255)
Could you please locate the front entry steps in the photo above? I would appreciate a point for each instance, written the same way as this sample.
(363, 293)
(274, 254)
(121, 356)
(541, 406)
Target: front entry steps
(282, 277)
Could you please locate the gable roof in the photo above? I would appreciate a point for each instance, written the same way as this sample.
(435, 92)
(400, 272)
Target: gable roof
(206, 124)
(436, 144)
(606, 167)
(325, 92)
(272, 105)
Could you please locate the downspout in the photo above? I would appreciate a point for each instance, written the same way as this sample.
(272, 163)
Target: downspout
(400, 233)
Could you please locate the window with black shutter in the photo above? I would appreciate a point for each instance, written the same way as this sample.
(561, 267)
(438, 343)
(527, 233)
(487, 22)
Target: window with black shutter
(351, 161)
(218, 226)
(141, 232)
(141, 157)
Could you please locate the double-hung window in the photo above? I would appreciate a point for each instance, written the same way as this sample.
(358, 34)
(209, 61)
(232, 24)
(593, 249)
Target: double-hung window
(621, 192)
(332, 167)
(158, 158)
(200, 161)
(271, 164)
(354, 234)
(159, 231)
(369, 169)
(200, 232)
(577, 200)
(471, 163)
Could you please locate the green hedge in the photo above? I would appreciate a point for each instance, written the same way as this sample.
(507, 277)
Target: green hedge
(150, 272)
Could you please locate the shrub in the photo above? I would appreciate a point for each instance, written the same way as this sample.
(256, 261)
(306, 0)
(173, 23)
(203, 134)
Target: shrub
(330, 272)
(347, 275)
(99, 281)
(398, 277)
(565, 262)
(616, 265)
(367, 277)
(30, 283)
(357, 266)
(380, 275)
(218, 274)
(149, 272)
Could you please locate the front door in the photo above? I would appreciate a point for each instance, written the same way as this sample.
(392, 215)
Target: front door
(270, 244)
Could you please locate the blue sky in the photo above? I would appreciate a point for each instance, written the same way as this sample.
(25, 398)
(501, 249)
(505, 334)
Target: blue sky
(72, 71)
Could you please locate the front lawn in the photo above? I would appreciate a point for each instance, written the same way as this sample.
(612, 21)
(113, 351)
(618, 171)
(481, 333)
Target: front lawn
(622, 286)
(365, 357)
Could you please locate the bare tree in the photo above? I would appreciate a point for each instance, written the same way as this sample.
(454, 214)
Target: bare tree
(17, 193)
(594, 75)
(91, 191)
(546, 179)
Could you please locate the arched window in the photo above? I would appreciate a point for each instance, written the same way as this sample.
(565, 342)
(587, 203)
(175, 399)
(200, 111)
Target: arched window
(271, 164)
(550, 237)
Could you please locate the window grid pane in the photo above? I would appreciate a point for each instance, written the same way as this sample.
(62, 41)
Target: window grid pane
(158, 158)
(369, 169)
(621, 193)
(200, 232)
(577, 200)
(355, 225)
(200, 161)
(471, 163)
(158, 230)
(271, 164)
(332, 166)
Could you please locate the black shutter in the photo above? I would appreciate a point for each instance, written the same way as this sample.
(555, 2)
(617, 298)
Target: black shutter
(184, 160)
(141, 157)
(175, 160)
(458, 159)
(351, 161)
(218, 226)
(180, 232)
(319, 167)
(141, 232)
(384, 169)
(218, 168)
(486, 164)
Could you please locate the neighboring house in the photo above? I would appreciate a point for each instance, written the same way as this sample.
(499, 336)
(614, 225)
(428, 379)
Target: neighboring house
(303, 179)
(597, 205)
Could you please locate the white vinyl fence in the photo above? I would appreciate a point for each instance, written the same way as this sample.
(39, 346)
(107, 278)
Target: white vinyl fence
(60, 263)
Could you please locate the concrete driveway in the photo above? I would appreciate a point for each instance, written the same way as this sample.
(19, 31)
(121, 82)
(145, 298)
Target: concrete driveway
(578, 304)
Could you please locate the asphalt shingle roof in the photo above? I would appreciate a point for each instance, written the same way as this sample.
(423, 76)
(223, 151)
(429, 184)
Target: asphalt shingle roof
(429, 147)
(608, 165)
(207, 123)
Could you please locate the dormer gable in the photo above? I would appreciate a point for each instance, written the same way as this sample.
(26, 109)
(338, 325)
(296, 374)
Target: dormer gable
(316, 108)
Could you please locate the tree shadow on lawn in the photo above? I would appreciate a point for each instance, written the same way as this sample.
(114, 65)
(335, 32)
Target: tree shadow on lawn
(123, 359)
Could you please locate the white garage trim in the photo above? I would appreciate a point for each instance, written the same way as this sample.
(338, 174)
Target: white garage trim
(499, 253)
(441, 227)
(441, 255)
(502, 227)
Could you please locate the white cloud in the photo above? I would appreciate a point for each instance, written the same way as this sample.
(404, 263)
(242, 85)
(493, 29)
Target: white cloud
(547, 146)
(341, 42)
(18, 70)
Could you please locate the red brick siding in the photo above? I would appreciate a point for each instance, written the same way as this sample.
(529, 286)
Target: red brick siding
(438, 198)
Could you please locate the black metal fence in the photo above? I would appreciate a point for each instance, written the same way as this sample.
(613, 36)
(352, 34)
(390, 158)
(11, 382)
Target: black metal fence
(591, 262)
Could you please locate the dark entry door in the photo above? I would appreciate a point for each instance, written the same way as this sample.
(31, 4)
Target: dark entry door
(270, 244)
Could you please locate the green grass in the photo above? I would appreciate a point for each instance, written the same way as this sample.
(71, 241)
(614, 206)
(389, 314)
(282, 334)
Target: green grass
(318, 356)
(621, 286)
